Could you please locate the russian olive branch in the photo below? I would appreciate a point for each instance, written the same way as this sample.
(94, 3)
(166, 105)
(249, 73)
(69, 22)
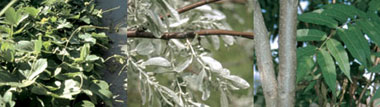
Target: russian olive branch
(183, 35)
(192, 6)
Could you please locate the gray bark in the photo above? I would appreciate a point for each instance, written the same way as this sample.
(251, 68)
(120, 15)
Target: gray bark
(264, 58)
(114, 19)
(287, 52)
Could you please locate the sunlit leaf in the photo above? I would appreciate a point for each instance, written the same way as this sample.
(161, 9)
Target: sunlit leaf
(340, 55)
(214, 65)
(13, 17)
(238, 81)
(310, 35)
(25, 46)
(158, 61)
(37, 68)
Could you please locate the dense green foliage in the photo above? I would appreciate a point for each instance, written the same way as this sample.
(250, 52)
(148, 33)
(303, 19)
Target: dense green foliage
(337, 47)
(50, 54)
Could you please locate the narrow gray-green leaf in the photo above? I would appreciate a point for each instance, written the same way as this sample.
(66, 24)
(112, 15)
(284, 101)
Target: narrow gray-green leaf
(158, 61)
(310, 35)
(318, 19)
(340, 55)
(327, 65)
(223, 99)
(214, 65)
(182, 66)
(238, 81)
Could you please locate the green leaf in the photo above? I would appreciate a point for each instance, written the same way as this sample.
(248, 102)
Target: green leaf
(64, 24)
(374, 5)
(342, 12)
(39, 90)
(318, 19)
(87, 38)
(376, 96)
(31, 11)
(375, 69)
(38, 45)
(310, 35)
(7, 51)
(84, 52)
(14, 18)
(25, 46)
(305, 66)
(327, 66)
(101, 89)
(37, 68)
(340, 55)
(306, 51)
(356, 44)
(371, 29)
(84, 103)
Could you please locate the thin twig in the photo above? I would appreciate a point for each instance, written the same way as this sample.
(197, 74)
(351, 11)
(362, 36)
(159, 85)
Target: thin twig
(345, 82)
(192, 6)
(183, 35)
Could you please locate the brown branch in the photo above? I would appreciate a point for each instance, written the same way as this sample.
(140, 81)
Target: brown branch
(182, 35)
(192, 6)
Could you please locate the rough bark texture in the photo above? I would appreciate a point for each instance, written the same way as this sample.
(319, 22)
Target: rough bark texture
(111, 75)
(264, 58)
(287, 52)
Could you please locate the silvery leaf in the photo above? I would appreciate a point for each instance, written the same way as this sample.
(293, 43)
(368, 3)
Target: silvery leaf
(179, 23)
(229, 40)
(172, 11)
(216, 42)
(238, 81)
(205, 94)
(223, 99)
(144, 48)
(183, 65)
(178, 43)
(158, 61)
(214, 65)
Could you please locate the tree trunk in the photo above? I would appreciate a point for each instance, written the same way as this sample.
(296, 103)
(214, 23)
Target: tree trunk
(264, 58)
(287, 52)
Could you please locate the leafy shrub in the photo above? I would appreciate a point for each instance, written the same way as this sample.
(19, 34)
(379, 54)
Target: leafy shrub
(50, 54)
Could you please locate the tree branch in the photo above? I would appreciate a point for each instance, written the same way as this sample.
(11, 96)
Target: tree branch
(264, 58)
(182, 35)
(192, 6)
